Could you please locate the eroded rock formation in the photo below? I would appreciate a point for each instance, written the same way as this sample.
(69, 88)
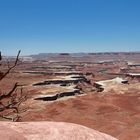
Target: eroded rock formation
(49, 131)
(60, 95)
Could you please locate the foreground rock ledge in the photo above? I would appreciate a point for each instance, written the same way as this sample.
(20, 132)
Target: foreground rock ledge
(48, 131)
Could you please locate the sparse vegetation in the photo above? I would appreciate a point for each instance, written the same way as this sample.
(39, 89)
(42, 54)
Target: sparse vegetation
(10, 101)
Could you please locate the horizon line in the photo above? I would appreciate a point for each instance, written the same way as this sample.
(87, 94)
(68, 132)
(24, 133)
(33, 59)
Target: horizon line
(100, 52)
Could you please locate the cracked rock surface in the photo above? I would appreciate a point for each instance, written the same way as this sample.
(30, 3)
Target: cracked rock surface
(49, 131)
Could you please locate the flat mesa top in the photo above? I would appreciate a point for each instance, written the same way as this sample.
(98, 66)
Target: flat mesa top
(134, 74)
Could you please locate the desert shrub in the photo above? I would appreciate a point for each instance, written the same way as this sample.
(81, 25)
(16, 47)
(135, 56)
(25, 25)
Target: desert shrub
(11, 100)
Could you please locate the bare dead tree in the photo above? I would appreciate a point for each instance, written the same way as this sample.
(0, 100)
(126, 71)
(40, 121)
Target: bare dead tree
(0, 56)
(11, 67)
(11, 100)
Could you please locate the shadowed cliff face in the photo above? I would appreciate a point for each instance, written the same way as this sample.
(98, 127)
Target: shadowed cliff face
(71, 80)
(49, 131)
(60, 95)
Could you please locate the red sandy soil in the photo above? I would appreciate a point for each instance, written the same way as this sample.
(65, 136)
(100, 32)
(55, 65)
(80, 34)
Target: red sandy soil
(117, 115)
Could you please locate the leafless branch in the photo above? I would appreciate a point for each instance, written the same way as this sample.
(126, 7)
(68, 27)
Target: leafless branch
(11, 67)
(0, 56)
(10, 101)
(9, 93)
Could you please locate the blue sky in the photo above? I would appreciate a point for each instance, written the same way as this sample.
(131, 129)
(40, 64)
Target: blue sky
(36, 26)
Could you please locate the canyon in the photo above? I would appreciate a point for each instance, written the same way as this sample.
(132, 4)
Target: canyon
(100, 91)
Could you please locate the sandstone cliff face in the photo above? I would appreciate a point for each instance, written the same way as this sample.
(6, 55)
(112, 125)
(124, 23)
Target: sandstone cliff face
(48, 131)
